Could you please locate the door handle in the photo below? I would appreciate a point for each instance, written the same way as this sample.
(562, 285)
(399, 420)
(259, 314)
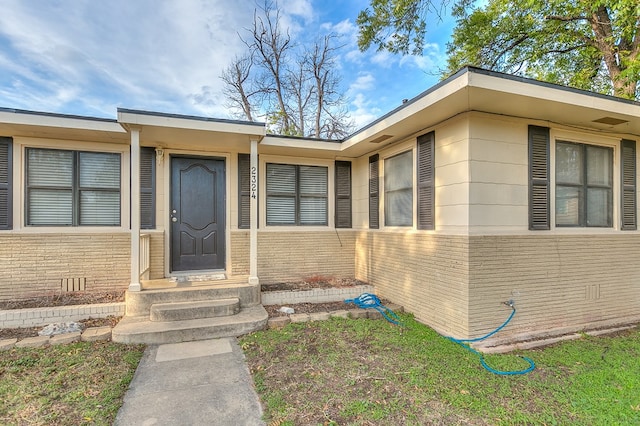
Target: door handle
(174, 219)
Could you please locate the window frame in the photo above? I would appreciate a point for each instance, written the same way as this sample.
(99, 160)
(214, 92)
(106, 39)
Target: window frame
(298, 196)
(411, 189)
(75, 188)
(583, 218)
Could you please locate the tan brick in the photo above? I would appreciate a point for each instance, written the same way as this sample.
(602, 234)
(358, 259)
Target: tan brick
(278, 322)
(357, 313)
(33, 342)
(94, 334)
(41, 261)
(340, 314)
(6, 344)
(319, 316)
(299, 317)
(63, 339)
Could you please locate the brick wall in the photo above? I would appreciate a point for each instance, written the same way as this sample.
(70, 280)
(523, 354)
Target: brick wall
(425, 273)
(35, 264)
(156, 254)
(556, 281)
(292, 256)
(240, 252)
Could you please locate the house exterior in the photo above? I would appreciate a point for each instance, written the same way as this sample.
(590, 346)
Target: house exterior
(483, 189)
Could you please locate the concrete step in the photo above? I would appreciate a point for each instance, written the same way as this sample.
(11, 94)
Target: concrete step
(178, 311)
(139, 302)
(141, 329)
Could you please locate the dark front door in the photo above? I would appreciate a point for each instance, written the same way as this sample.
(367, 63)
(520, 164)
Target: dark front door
(197, 214)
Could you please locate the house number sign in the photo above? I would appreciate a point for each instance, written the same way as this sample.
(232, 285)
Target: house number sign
(254, 182)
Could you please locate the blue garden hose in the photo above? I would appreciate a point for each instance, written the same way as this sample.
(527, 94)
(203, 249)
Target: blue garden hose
(368, 300)
(464, 344)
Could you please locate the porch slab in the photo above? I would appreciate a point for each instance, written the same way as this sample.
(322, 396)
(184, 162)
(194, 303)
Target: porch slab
(141, 329)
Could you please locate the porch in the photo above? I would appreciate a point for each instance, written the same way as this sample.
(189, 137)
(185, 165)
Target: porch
(175, 310)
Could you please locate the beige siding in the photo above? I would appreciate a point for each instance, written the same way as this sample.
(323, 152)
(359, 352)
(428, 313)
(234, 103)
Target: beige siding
(452, 175)
(296, 255)
(498, 172)
(556, 281)
(360, 192)
(35, 264)
(425, 273)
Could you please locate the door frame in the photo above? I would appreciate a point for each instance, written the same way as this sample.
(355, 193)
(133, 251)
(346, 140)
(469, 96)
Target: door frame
(166, 159)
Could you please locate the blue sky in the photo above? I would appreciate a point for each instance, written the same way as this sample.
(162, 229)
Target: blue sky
(89, 57)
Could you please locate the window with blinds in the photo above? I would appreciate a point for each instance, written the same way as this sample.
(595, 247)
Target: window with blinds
(72, 188)
(398, 190)
(296, 195)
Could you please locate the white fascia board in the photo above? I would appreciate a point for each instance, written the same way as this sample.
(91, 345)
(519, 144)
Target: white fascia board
(284, 142)
(133, 118)
(36, 119)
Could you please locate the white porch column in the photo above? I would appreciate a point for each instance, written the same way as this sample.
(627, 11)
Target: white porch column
(134, 285)
(253, 232)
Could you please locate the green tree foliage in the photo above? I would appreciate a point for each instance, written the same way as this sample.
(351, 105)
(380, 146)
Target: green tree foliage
(588, 44)
(398, 26)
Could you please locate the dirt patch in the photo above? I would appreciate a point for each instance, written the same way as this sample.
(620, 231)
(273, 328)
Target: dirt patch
(22, 333)
(64, 299)
(316, 281)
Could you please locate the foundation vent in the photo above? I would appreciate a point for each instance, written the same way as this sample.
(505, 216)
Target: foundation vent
(592, 292)
(73, 284)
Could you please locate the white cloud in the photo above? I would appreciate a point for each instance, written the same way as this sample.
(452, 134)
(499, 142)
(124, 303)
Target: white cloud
(92, 56)
(364, 81)
(134, 56)
(363, 110)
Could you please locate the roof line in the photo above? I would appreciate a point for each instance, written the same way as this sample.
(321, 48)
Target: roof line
(409, 102)
(190, 117)
(57, 115)
(497, 74)
(557, 86)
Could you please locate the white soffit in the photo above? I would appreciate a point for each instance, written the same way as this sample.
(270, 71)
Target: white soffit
(542, 101)
(486, 91)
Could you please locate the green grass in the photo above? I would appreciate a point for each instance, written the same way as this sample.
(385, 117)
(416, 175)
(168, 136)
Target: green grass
(80, 383)
(362, 372)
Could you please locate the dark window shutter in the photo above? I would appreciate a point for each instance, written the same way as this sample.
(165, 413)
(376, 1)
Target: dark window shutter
(244, 191)
(629, 219)
(147, 188)
(539, 217)
(374, 192)
(426, 181)
(343, 194)
(6, 191)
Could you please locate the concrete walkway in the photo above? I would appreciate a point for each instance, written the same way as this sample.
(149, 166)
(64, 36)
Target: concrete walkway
(192, 383)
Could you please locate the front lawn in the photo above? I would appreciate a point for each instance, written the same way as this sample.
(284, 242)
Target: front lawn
(79, 383)
(369, 372)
